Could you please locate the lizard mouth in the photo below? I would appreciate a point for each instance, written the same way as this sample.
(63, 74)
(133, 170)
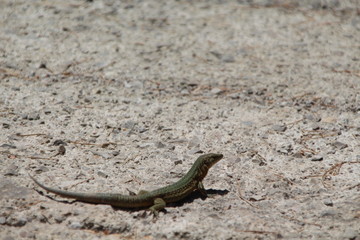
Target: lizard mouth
(217, 157)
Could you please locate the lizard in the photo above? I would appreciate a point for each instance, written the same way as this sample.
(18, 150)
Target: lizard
(157, 199)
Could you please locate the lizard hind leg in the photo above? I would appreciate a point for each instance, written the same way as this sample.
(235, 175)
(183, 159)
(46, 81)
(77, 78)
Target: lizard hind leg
(159, 204)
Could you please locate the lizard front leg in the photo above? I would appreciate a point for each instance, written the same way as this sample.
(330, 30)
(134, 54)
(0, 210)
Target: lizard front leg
(201, 189)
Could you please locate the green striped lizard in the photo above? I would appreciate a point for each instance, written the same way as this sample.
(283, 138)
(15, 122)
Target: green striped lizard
(156, 199)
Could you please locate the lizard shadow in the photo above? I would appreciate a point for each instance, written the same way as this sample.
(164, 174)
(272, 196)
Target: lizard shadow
(196, 195)
(189, 199)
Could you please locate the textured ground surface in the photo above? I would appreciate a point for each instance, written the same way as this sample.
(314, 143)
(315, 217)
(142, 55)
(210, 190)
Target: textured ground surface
(135, 91)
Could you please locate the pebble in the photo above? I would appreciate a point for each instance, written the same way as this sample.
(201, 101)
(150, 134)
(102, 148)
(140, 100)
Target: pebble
(315, 127)
(298, 155)
(328, 202)
(312, 117)
(128, 124)
(41, 169)
(60, 218)
(142, 130)
(217, 91)
(177, 162)
(76, 225)
(184, 92)
(12, 170)
(115, 153)
(159, 145)
(47, 111)
(317, 158)
(279, 128)
(328, 213)
(102, 174)
(228, 58)
(339, 145)
(17, 221)
(31, 116)
(102, 154)
(234, 95)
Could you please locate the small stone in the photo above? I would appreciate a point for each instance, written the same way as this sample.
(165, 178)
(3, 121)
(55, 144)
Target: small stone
(279, 128)
(142, 130)
(2, 220)
(298, 155)
(41, 169)
(60, 219)
(158, 111)
(228, 58)
(159, 145)
(234, 95)
(76, 225)
(317, 158)
(12, 170)
(339, 145)
(185, 92)
(312, 117)
(33, 116)
(315, 127)
(101, 154)
(47, 111)
(217, 91)
(115, 153)
(249, 91)
(328, 213)
(19, 222)
(6, 125)
(128, 124)
(328, 202)
(102, 174)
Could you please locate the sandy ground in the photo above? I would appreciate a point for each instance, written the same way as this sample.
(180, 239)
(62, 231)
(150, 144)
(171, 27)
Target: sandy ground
(108, 96)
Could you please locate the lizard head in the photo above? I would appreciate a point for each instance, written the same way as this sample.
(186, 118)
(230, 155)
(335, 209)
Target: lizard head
(208, 160)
